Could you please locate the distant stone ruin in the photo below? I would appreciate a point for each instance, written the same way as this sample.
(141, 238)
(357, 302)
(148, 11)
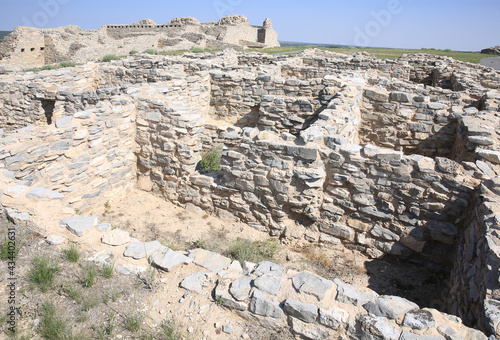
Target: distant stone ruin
(390, 158)
(31, 47)
(492, 50)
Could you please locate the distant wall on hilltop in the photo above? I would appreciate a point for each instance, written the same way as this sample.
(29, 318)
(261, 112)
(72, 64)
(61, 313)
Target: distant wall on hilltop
(28, 46)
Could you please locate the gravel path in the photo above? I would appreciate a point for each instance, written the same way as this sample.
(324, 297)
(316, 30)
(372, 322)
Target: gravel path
(493, 62)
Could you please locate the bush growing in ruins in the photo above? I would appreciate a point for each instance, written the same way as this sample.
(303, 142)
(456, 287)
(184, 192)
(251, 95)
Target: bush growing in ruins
(211, 160)
(133, 52)
(109, 57)
(151, 51)
(246, 250)
(43, 273)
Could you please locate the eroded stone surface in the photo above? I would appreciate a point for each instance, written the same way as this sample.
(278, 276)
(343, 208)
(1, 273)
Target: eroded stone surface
(79, 225)
(168, 260)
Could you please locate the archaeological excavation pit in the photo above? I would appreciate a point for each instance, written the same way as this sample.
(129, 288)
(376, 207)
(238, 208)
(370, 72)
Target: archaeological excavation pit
(394, 159)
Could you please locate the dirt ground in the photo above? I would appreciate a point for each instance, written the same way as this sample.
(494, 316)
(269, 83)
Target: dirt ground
(108, 303)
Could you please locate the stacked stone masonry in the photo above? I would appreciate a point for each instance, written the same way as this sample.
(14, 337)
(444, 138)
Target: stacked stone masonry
(387, 157)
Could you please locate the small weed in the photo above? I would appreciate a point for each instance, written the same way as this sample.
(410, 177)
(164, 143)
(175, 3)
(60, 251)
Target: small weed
(219, 301)
(52, 326)
(211, 160)
(105, 299)
(90, 302)
(107, 330)
(82, 317)
(115, 295)
(107, 207)
(133, 321)
(149, 277)
(169, 330)
(71, 291)
(72, 252)
(133, 52)
(89, 275)
(12, 244)
(197, 50)
(43, 272)
(172, 244)
(108, 270)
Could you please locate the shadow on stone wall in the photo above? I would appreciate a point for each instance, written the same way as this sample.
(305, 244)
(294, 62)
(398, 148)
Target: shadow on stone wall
(416, 281)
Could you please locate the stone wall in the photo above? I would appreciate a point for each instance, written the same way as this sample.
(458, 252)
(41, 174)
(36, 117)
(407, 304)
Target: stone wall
(84, 158)
(370, 156)
(33, 47)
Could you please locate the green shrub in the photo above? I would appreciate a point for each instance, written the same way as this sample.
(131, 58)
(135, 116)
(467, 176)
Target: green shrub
(52, 326)
(151, 51)
(63, 64)
(48, 67)
(197, 50)
(211, 160)
(108, 270)
(71, 291)
(169, 330)
(133, 321)
(89, 275)
(133, 52)
(10, 254)
(246, 250)
(72, 252)
(109, 57)
(42, 272)
(90, 302)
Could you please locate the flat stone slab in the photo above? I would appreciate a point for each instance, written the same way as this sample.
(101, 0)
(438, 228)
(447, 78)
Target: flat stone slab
(209, 260)
(79, 225)
(140, 250)
(222, 294)
(195, 283)
(391, 307)
(130, 269)
(116, 237)
(268, 283)
(261, 306)
(103, 227)
(306, 312)
(104, 257)
(16, 191)
(168, 260)
(349, 295)
(54, 240)
(267, 267)
(240, 289)
(311, 284)
(234, 271)
(41, 194)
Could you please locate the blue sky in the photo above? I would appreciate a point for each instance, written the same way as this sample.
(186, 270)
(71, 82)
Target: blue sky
(467, 25)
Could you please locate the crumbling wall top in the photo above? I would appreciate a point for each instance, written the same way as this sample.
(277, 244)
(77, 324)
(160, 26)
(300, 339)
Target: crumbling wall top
(185, 21)
(235, 20)
(149, 22)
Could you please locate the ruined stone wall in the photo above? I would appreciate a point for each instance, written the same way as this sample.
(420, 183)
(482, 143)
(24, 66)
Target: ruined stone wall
(340, 158)
(27, 100)
(86, 156)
